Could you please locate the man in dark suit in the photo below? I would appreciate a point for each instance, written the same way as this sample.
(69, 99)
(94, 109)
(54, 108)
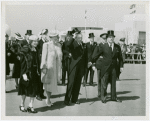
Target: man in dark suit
(42, 41)
(98, 63)
(90, 46)
(123, 47)
(111, 52)
(77, 69)
(66, 57)
(40, 48)
(26, 40)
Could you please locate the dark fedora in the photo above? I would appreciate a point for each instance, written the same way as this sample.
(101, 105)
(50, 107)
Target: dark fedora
(110, 33)
(75, 30)
(104, 34)
(91, 35)
(69, 33)
(122, 39)
(29, 32)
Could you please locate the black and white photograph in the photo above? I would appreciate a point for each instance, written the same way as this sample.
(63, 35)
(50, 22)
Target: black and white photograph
(74, 58)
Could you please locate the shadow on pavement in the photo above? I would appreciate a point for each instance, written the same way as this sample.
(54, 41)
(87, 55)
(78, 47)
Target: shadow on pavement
(123, 98)
(129, 79)
(60, 95)
(11, 91)
(119, 93)
(56, 105)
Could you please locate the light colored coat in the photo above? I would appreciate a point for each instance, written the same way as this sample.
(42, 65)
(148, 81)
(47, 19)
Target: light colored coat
(51, 60)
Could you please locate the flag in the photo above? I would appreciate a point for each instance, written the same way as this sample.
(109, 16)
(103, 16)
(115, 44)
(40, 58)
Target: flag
(132, 6)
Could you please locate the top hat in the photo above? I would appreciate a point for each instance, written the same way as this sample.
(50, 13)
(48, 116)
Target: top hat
(104, 34)
(29, 32)
(110, 33)
(69, 33)
(75, 30)
(91, 35)
(18, 36)
(122, 39)
(45, 31)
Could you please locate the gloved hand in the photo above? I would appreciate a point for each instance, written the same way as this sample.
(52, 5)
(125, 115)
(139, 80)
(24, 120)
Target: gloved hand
(25, 77)
(93, 68)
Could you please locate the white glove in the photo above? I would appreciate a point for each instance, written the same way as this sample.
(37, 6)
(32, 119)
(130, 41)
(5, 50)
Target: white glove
(18, 57)
(89, 64)
(70, 55)
(93, 68)
(25, 77)
(8, 54)
(121, 70)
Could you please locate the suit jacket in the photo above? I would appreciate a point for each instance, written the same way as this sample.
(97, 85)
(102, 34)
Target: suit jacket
(65, 50)
(98, 63)
(109, 57)
(40, 48)
(23, 42)
(78, 54)
(90, 50)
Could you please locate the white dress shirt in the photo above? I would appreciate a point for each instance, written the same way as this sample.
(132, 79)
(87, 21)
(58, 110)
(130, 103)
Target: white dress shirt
(112, 46)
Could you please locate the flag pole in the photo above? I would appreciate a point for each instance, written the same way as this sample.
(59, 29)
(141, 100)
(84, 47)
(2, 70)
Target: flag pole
(85, 38)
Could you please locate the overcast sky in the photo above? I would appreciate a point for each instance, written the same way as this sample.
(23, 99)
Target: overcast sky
(37, 17)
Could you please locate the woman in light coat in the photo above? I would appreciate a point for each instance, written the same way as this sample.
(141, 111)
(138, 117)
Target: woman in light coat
(51, 66)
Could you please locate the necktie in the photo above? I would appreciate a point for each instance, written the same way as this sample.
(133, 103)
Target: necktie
(110, 48)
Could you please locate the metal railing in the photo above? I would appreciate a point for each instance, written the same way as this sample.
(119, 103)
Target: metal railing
(135, 57)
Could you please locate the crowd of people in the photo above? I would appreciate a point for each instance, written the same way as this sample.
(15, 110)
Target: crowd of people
(38, 62)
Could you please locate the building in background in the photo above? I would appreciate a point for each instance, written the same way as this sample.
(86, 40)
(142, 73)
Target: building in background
(133, 28)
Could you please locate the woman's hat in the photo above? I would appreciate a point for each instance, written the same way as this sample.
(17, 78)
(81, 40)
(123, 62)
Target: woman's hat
(44, 31)
(91, 35)
(18, 36)
(53, 34)
(110, 33)
(104, 34)
(122, 39)
(29, 32)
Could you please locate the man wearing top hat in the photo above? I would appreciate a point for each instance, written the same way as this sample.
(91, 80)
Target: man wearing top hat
(111, 52)
(76, 70)
(90, 46)
(98, 63)
(26, 40)
(66, 57)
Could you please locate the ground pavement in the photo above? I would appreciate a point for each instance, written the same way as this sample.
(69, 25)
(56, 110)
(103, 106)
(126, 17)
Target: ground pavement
(131, 90)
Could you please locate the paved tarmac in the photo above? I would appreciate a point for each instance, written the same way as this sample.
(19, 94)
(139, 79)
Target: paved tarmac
(130, 89)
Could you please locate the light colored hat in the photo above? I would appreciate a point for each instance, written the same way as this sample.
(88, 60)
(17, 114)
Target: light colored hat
(54, 34)
(18, 36)
(33, 37)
